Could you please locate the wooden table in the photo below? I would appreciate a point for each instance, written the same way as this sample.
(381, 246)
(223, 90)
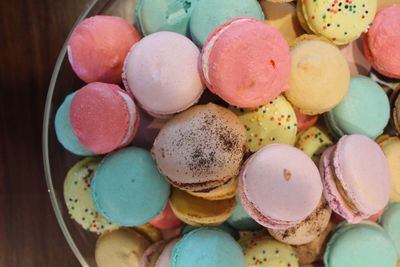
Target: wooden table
(31, 35)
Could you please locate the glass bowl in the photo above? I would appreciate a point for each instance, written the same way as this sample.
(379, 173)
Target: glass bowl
(57, 160)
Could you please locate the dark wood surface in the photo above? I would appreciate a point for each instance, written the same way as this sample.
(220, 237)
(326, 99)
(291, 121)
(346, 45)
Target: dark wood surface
(31, 35)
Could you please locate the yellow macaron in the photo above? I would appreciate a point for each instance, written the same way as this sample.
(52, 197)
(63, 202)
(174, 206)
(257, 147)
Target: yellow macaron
(274, 122)
(199, 211)
(150, 232)
(225, 191)
(391, 148)
(313, 142)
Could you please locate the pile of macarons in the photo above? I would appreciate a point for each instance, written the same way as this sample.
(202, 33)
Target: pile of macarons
(237, 133)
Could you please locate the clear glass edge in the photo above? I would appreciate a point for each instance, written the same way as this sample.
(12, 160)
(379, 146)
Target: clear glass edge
(45, 135)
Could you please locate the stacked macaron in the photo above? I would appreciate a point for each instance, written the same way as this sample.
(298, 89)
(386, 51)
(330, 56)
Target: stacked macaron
(226, 137)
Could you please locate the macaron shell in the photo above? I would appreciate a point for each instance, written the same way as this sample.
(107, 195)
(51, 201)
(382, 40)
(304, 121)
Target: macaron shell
(78, 197)
(253, 62)
(198, 211)
(305, 121)
(152, 253)
(206, 247)
(363, 171)
(265, 251)
(308, 230)
(319, 77)
(390, 222)
(209, 14)
(274, 122)
(225, 227)
(128, 189)
(98, 46)
(101, 117)
(361, 245)
(123, 247)
(391, 149)
(225, 191)
(164, 259)
(283, 17)
(387, 3)
(323, 18)
(241, 220)
(166, 220)
(313, 142)
(151, 233)
(164, 78)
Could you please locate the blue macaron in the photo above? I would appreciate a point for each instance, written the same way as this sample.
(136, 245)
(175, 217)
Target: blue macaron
(240, 219)
(223, 227)
(390, 222)
(360, 245)
(164, 15)
(365, 110)
(65, 134)
(207, 15)
(128, 189)
(207, 247)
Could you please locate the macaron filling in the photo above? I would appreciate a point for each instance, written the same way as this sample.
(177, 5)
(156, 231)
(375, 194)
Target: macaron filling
(211, 43)
(132, 118)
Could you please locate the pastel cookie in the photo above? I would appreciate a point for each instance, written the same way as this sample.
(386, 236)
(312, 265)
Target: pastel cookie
(223, 227)
(150, 232)
(341, 21)
(313, 142)
(390, 222)
(265, 251)
(78, 197)
(241, 220)
(391, 149)
(274, 122)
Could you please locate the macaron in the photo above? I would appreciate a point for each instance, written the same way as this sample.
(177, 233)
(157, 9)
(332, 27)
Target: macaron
(387, 3)
(225, 191)
(65, 134)
(265, 251)
(313, 252)
(246, 62)
(283, 17)
(356, 178)
(274, 122)
(151, 233)
(164, 15)
(151, 254)
(206, 247)
(198, 211)
(395, 114)
(271, 186)
(382, 42)
(208, 15)
(305, 121)
(390, 222)
(360, 245)
(164, 260)
(163, 78)
(127, 188)
(391, 149)
(241, 220)
(339, 21)
(78, 197)
(166, 219)
(104, 117)
(354, 54)
(319, 77)
(226, 227)
(308, 230)
(98, 46)
(387, 83)
(201, 148)
(119, 248)
(365, 110)
(313, 142)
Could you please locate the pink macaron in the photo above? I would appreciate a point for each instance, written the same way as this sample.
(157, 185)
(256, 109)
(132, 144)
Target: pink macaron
(166, 219)
(354, 54)
(382, 42)
(246, 62)
(305, 121)
(161, 72)
(98, 47)
(279, 186)
(164, 260)
(356, 178)
(104, 117)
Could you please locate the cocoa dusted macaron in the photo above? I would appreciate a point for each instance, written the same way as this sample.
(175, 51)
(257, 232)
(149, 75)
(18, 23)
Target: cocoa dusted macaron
(201, 149)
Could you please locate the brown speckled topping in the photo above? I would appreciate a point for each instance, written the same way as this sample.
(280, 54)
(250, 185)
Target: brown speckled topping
(201, 148)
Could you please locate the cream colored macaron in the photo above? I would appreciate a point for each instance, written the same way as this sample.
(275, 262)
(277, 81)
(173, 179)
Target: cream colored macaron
(319, 78)
(391, 149)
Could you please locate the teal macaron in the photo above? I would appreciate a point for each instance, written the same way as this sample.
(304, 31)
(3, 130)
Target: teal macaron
(365, 110)
(128, 189)
(64, 132)
(241, 220)
(227, 228)
(360, 245)
(209, 14)
(207, 247)
(164, 15)
(390, 222)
